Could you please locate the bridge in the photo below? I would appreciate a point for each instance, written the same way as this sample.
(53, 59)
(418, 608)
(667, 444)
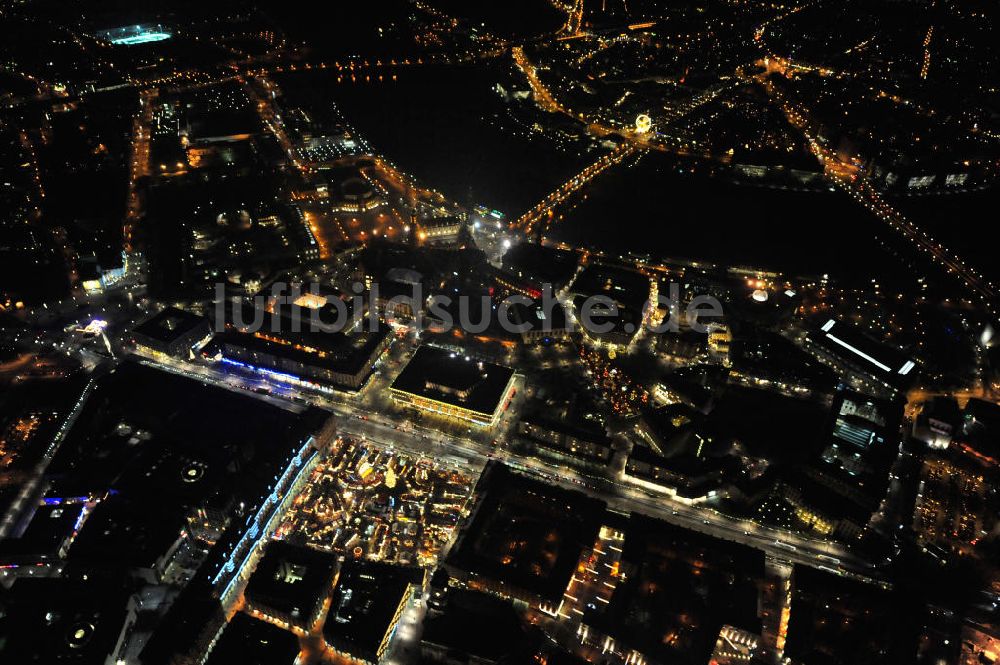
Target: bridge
(544, 210)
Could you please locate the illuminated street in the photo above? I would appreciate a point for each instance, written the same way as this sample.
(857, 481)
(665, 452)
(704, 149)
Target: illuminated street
(555, 332)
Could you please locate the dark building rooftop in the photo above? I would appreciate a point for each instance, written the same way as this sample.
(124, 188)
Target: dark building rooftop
(136, 408)
(673, 428)
(869, 356)
(690, 474)
(628, 288)
(448, 377)
(291, 580)
(168, 326)
(578, 429)
(249, 641)
(128, 534)
(838, 485)
(159, 447)
(540, 265)
(378, 260)
(221, 124)
(838, 621)
(536, 319)
(863, 435)
(768, 424)
(30, 415)
(291, 335)
(769, 356)
(525, 537)
(478, 626)
(340, 353)
(47, 621)
(981, 428)
(50, 527)
(187, 628)
(679, 588)
(365, 606)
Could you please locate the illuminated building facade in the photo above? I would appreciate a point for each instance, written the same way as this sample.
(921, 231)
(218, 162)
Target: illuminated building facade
(248, 640)
(440, 228)
(454, 386)
(821, 504)
(689, 479)
(172, 332)
(297, 355)
(290, 584)
(356, 195)
(719, 339)
(344, 361)
(367, 604)
(560, 439)
(524, 539)
(938, 422)
(97, 276)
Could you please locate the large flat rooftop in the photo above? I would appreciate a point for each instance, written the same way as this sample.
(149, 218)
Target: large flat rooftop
(540, 264)
(628, 288)
(292, 580)
(72, 621)
(526, 536)
(849, 344)
(249, 641)
(293, 339)
(365, 606)
(154, 447)
(677, 589)
(137, 409)
(454, 380)
(838, 621)
(169, 325)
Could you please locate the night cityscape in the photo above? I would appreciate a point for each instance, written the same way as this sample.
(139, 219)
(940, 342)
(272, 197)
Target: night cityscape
(538, 332)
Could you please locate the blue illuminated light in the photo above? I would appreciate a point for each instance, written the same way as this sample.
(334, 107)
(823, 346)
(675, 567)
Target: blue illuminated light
(278, 376)
(132, 35)
(57, 501)
(287, 480)
(270, 372)
(144, 38)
